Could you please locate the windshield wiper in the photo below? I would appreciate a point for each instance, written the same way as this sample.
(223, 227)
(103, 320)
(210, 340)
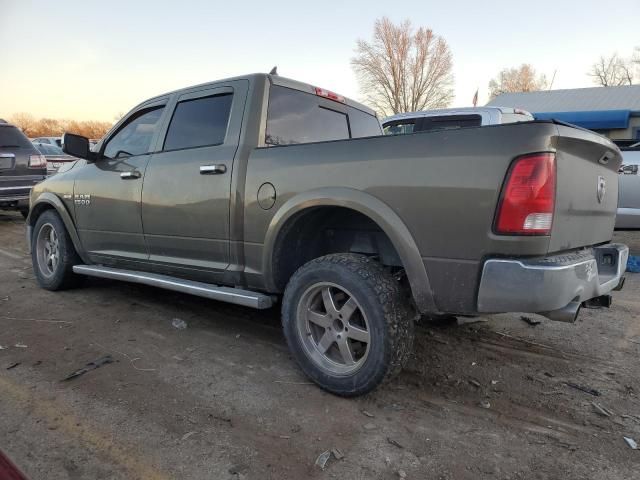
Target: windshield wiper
(10, 146)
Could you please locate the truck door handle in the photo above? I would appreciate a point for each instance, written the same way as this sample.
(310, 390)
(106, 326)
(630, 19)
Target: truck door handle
(213, 169)
(130, 175)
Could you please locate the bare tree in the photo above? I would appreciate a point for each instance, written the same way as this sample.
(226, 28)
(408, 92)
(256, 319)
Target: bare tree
(614, 70)
(51, 127)
(25, 122)
(521, 79)
(404, 70)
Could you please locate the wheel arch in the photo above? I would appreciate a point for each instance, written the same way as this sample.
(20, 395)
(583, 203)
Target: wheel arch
(50, 201)
(372, 208)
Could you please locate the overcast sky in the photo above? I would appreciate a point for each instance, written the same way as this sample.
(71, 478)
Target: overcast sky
(93, 59)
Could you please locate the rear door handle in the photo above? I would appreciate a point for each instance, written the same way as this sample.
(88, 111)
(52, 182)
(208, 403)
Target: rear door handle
(213, 169)
(130, 175)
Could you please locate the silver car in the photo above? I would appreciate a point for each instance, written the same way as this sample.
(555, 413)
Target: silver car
(629, 188)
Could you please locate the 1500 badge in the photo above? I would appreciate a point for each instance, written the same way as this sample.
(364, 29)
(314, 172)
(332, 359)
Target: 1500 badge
(82, 199)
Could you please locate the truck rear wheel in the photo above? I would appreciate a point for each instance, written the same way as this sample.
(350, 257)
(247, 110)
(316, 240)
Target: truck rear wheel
(347, 323)
(52, 253)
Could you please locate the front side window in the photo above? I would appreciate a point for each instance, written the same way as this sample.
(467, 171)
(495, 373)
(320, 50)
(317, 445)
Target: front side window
(296, 117)
(134, 138)
(199, 122)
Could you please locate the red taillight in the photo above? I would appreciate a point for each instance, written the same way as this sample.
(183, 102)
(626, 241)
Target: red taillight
(528, 196)
(37, 161)
(321, 92)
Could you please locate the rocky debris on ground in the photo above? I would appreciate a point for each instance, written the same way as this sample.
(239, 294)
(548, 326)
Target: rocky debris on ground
(179, 324)
(89, 366)
(530, 321)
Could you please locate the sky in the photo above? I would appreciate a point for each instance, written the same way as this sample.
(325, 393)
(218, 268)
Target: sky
(96, 59)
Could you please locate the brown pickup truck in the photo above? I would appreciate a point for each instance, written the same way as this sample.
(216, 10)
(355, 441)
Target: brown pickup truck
(261, 189)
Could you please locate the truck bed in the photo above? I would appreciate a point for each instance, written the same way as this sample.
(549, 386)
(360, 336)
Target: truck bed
(445, 186)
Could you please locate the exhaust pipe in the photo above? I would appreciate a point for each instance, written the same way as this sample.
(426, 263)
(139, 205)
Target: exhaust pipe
(567, 314)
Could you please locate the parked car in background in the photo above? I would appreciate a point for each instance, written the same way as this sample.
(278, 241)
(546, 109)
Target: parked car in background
(48, 141)
(56, 158)
(21, 167)
(452, 118)
(629, 188)
(258, 187)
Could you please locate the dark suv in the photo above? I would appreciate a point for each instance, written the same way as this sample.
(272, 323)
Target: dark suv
(21, 167)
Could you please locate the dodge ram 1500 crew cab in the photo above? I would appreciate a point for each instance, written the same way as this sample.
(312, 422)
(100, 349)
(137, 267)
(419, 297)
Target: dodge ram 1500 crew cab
(260, 189)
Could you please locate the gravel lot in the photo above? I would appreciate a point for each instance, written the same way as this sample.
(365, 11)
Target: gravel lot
(221, 399)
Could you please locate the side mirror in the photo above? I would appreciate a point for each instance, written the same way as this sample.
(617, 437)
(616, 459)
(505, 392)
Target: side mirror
(77, 146)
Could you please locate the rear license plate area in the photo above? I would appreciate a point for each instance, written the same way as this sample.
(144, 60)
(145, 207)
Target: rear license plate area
(7, 163)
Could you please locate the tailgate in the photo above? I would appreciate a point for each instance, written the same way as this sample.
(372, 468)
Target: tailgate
(586, 190)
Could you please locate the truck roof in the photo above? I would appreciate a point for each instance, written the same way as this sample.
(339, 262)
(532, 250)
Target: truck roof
(456, 111)
(274, 80)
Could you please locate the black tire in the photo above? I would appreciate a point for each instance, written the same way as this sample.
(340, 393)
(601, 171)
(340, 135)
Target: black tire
(24, 212)
(61, 277)
(383, 310)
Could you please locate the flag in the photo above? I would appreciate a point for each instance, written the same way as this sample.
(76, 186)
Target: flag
(475, 99)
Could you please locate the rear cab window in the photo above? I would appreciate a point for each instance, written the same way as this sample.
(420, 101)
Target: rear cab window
(11, 137)
(49, 149)
(294, 117)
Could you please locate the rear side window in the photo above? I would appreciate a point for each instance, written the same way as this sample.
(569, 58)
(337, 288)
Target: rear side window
(12, 137)
(199, 122)
(134, 137)
(298, 117)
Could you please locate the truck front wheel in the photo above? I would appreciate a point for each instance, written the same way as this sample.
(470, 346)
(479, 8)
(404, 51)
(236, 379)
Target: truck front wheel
(347, 322)
(52, 253)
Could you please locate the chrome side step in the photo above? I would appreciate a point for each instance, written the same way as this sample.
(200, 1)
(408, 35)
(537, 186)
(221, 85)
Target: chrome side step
(200, 289)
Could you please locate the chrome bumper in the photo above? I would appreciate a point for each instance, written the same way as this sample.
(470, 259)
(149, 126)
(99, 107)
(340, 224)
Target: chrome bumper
(628, 218)
(551, 283)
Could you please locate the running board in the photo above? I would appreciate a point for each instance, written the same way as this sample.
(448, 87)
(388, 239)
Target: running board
(246, 298)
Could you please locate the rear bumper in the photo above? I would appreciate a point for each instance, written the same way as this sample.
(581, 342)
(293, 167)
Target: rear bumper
(14, 201)
(628, 218)
(550, 283)
(9, 195)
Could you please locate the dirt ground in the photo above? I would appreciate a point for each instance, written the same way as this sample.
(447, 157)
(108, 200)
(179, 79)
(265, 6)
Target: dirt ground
(221, 399)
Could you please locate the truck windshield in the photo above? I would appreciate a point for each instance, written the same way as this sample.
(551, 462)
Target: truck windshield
(298, 117)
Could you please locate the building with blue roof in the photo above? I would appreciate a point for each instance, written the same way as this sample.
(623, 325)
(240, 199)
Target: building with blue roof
(611, 111)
